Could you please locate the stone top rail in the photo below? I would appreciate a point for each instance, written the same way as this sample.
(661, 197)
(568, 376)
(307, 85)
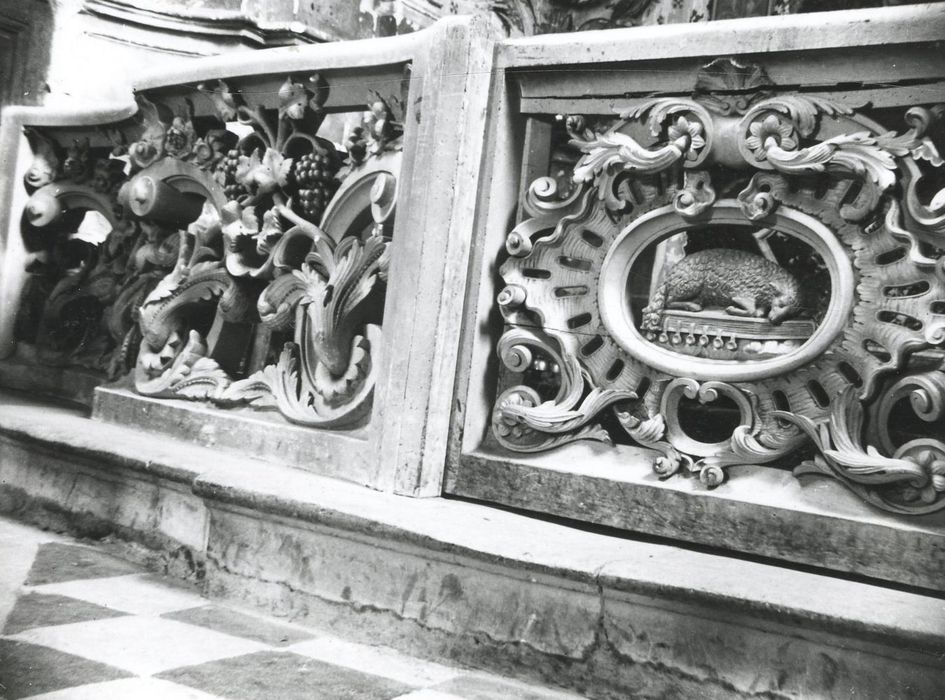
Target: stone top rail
(867, 27)
(360, 53)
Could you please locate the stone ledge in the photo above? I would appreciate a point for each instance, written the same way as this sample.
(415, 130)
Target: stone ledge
(605, 614)
(759, 511)
(243, 431)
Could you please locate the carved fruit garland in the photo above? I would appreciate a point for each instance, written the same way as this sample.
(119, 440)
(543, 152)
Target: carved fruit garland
(253, 259)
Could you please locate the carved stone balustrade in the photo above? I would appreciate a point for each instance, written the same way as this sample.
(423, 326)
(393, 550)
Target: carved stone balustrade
(717, 285)
(681, 285)
(230, 255)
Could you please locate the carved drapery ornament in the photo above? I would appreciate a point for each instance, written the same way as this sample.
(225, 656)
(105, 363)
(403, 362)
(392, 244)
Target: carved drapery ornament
(236, 269)
(778, 255)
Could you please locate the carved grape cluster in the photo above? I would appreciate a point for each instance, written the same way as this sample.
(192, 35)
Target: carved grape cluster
(226, 175)
(314, 175)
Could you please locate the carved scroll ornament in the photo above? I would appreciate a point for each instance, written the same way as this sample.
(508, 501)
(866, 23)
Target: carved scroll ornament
(776, 255)
(256, 267)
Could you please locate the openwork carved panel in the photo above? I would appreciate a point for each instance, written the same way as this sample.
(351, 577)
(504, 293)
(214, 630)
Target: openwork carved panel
(743, 276)
(218, 248)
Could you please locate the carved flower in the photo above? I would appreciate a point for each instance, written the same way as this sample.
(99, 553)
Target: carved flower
(149, 148)
(145, 152)
(378, 125)
(934, 466)
(357, 144)
(507, 423)
(687, 135)
(576, 124)
(203, 153)
(180, 137)
(768, 132)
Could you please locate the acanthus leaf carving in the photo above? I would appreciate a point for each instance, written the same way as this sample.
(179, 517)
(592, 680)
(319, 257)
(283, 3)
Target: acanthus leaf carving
(859, 154)
(523, 421)
(845, 456)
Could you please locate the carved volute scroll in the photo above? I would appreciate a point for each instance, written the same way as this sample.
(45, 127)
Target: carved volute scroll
(768, 264)
(234, 256)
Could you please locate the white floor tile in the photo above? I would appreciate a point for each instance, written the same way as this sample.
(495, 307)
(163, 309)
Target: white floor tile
(377, 660)
(127, 689)
(138, 594)
(18, 546)
(419, 695)
(142, 645)
(18, 532)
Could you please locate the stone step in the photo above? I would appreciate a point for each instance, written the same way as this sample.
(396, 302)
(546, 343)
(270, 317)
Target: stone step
(77, 622)
(605, 615)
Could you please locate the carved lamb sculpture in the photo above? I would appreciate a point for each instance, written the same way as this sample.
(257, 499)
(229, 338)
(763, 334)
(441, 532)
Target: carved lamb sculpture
(741, 283)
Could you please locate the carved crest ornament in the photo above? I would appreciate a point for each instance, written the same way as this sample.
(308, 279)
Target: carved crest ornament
(240, 266)
(778, 255)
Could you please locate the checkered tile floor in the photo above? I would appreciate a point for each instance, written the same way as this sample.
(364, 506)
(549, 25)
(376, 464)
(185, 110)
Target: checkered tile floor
(79, 624)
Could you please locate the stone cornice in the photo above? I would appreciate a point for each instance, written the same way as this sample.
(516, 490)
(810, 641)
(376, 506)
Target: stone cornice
(233, 24)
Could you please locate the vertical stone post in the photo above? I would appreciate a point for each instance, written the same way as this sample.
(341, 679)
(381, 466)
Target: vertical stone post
(445, 123)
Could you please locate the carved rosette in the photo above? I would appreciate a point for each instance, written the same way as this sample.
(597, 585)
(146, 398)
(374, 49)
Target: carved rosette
(766, 254)
(259, 261)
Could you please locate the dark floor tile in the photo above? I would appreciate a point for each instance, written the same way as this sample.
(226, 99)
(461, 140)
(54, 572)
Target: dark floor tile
(277, 674)
(240, 625)
(30, 669)
(42, 610)
(56, 562)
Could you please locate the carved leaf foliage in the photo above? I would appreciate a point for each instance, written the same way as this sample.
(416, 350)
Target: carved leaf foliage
(659, 111)
(839, 440)
(860, 154)
(333, 302)
(223, 99)
(554, 418)
(617, 150)
(804, 110)
(263, 173)
(277, 303)
(731, 75)
(650, 432)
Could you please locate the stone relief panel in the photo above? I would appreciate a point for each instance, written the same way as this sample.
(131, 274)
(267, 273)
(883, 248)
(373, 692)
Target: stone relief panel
(230, 254)
(743, 276)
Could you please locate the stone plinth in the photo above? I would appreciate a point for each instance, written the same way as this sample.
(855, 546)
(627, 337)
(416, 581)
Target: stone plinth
(607, 616)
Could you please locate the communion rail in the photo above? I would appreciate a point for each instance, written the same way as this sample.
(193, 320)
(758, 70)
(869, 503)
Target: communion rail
(683, 281)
